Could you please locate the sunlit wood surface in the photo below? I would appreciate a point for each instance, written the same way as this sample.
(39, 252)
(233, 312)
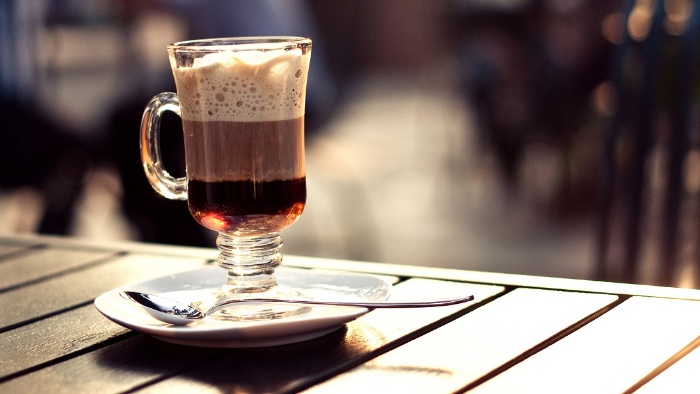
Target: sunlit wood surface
(521, 334)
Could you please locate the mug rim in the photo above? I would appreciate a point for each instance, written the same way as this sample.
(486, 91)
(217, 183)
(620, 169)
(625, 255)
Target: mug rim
(240, 43)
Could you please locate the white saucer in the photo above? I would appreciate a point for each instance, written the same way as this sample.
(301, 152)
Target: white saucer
(317, 284)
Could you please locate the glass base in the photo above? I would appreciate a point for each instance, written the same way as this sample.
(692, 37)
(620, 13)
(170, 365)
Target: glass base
(250, 263)
(258, 311)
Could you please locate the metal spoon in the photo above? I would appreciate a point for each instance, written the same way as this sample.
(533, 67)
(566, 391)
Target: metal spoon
(179, 313)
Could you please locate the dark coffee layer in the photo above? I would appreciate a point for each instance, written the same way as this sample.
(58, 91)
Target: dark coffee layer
(247, 206)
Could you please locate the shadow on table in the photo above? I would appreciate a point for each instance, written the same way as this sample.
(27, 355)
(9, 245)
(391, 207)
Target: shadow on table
(269, 369)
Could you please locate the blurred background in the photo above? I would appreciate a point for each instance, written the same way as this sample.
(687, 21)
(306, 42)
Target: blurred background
(471, 134)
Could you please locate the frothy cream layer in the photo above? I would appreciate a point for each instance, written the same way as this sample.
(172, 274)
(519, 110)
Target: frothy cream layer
(244, 86)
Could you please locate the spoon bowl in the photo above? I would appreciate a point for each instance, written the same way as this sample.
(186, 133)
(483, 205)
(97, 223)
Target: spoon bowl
(180, 313)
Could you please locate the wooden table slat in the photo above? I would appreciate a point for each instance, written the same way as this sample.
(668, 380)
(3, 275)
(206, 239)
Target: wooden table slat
(56, 337)
(610, 354)
(44, 263)
(681, 377)
(85, 286)
(116, 368)
(457, 354)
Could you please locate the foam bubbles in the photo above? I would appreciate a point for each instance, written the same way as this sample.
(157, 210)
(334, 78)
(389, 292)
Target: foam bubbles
(244, 86)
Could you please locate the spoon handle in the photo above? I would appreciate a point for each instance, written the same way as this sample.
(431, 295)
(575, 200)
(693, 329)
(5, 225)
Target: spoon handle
(362, 304)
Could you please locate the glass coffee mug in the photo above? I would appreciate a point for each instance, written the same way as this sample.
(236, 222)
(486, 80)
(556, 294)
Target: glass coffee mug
(241, 101)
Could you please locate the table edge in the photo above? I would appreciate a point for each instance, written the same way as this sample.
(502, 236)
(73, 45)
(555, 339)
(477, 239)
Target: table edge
(495, 278)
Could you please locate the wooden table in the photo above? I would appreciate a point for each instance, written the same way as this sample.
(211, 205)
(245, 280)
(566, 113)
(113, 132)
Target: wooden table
(521, 334)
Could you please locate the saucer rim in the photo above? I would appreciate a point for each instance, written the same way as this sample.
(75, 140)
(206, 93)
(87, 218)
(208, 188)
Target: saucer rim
(321, 320)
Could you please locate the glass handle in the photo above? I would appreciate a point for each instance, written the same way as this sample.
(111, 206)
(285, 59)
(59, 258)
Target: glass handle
(160, 179)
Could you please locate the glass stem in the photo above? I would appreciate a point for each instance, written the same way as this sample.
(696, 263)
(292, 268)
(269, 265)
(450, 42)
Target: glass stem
(250, 261)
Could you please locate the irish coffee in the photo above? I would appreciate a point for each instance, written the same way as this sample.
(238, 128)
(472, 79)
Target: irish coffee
(241, 101)
(243, 120)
